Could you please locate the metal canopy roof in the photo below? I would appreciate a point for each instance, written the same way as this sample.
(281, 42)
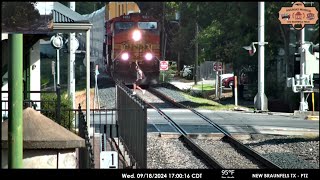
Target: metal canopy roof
(66, 20)
(71, 27)
(63, 14)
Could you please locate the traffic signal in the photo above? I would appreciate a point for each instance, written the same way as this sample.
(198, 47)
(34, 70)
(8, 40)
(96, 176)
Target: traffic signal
(296, 64)
(314, 48)
(310, 56)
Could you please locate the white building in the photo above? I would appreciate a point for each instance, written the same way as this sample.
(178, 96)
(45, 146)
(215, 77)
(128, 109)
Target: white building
(34, 72)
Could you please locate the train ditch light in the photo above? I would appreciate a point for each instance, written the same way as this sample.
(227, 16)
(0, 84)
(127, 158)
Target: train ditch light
(148, 56)
(125, 56)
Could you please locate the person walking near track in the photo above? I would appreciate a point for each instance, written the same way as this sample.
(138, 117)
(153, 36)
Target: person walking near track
(140, 77)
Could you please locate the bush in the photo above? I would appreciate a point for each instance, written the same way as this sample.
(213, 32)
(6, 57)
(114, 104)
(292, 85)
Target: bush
(49, 103)
(45, 81)
(168, 75)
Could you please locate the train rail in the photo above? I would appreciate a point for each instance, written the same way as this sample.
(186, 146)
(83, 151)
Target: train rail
(257, 160)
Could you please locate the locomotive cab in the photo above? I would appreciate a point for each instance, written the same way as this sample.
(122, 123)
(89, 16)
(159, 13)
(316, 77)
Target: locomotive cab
(133, 39)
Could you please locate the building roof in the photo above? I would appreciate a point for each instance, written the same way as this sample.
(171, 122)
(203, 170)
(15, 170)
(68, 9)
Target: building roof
(40, 132)
(63, 14)
(66, 20)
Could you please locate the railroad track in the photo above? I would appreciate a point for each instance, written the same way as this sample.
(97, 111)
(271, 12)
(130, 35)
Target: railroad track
(227, 143)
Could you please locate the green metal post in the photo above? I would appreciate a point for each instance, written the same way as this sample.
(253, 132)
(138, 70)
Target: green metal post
(15, 127)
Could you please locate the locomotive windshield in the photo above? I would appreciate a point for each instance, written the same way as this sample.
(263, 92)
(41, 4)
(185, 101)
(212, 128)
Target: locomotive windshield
(123, 25)
(147, 25)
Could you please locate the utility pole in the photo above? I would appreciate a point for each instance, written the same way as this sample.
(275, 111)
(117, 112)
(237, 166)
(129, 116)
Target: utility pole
(177, 18)
(260, 100)
(15, 122)
(302, 106)
(71, 63)
(163, 34)
(196, 49)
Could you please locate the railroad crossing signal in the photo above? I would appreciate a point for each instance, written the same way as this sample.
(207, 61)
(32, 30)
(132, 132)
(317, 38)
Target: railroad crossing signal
(217, 66)
(164, 65)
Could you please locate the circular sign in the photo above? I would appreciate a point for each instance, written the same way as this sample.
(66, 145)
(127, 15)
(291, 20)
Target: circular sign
(56, 41)
(164, 65)
(217, 66)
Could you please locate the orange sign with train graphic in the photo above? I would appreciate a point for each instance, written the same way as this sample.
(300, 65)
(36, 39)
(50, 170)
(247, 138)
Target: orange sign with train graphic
(298, 15)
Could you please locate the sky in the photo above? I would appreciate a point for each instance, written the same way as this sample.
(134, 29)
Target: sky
(44, 7)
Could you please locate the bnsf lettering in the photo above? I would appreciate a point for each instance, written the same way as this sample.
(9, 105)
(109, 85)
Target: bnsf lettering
(133, 47)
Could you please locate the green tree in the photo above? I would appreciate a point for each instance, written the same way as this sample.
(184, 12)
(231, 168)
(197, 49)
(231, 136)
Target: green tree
(224, 29)
(14, 14)
(86, 7)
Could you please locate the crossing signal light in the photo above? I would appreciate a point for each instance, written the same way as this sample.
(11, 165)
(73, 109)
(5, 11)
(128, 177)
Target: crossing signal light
(297, 56)
(314, 48)
(251, 49)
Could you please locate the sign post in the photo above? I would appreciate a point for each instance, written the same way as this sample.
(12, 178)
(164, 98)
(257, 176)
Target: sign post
(96, 89)
(235, 91)
(217, 82)
(53, 69)
(164, 66)
(57, 43)
(217, 66)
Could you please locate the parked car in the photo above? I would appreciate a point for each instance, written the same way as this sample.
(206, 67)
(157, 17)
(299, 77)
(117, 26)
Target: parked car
(229, 82)
(187, 72)
(224, 76)
(226, 79)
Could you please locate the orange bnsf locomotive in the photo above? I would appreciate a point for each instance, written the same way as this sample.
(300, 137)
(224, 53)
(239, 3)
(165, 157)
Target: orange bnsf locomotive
(132, 39)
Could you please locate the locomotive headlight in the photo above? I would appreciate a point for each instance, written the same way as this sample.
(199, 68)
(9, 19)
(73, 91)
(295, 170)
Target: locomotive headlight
(136, 35)
(125, 56)
(148, 56)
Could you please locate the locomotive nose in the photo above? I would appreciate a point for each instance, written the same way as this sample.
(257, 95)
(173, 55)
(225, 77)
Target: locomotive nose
(136, 35)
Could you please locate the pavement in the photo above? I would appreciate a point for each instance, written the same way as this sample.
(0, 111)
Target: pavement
(234, 122)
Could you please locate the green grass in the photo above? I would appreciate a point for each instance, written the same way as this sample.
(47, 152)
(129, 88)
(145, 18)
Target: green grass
(208, 104)
(204, 87)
